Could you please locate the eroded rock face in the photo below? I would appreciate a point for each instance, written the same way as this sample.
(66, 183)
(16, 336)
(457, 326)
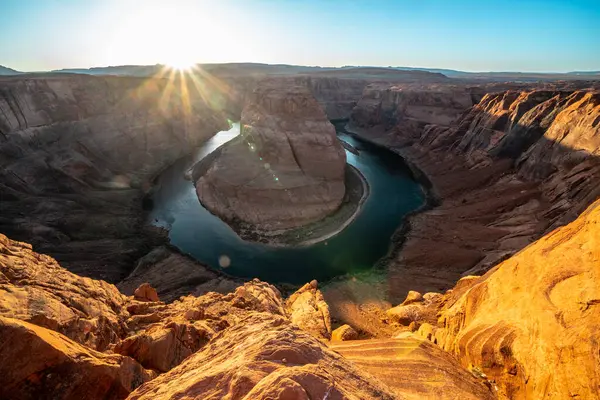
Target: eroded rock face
(509, 169)
(285, 170)
(413, 106)
(265, 357)
(77, 154)
(309, 311)
(415, 368)
(34, 288)
(174, 275)
(39, 363)
(529, 324)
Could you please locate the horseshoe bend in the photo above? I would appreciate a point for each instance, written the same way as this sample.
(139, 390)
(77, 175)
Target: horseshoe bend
(272, 231)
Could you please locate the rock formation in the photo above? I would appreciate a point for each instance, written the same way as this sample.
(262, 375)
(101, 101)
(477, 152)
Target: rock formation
(64, 336)
(39, 363)
(286, 169)
(265, 357)
(308, 310)
(174, 275)
(77, 154)
(484, 172)
(415, 367)
(343, 333)
(529, 324)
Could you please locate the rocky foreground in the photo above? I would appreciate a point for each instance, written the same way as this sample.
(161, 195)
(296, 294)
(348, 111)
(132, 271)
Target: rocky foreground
(285, 170)
(523, 330)
(66, 337)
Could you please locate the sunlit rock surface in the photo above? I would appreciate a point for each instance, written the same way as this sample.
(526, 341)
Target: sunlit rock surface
(38, 363)
(308, 310)
(529, 324)
(63, 336)
(415, 368)
(265, 357)
(285, 170)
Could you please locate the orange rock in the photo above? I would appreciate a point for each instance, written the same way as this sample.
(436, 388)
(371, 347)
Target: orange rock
(40, 363)
(343, 333)
(309, 311)
(162, 347)
(414, 368)
(145, 292)
(246, 361)
(529, 324)
(34, 288)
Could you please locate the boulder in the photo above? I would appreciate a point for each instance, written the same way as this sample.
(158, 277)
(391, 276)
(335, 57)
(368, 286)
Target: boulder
(309, 311)
(343, 333)
(145, 292)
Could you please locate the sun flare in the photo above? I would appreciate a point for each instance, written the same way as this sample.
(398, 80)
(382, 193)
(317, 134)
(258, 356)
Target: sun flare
(180, 64)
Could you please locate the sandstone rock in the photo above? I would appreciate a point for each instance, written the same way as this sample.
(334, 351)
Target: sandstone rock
(163, 347)
(285, 170)
(246, 362)
(527, 323)
(309, 311)
(412, 297)
(404, 315)
(343, 333)
(416, 308)
(34, 288)
(258, 296)
(40, 363)
(414, 368)
(145, 292)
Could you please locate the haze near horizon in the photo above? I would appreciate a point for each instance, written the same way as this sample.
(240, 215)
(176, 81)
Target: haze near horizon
(527, 36)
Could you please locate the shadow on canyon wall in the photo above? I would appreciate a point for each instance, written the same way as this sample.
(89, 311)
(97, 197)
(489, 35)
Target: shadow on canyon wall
(485, 213)
(489, 200)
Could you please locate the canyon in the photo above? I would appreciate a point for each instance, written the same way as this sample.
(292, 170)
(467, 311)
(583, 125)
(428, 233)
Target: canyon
(285, 170)
(488, 291)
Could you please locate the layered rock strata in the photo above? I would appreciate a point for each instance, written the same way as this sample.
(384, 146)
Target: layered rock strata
(285, 170)
(78, 153)
(506, 171)
(529, 324)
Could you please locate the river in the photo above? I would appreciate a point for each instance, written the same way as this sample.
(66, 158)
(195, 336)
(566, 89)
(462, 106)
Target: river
(194, 230)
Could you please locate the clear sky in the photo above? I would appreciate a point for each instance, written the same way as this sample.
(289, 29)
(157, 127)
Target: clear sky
(509, 35)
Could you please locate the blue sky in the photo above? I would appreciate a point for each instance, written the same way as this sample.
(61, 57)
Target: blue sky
(526, 35)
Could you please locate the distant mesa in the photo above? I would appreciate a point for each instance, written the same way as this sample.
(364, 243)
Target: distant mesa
(4, 71)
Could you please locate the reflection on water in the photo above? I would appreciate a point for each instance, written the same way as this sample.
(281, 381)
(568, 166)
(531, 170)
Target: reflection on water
(196, 231)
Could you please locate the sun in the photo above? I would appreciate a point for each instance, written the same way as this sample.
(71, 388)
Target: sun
(181, 64)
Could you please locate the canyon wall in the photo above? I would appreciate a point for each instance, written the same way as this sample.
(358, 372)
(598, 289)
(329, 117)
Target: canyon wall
(504, 172)
(285, 170)
(529, 325)
(78, 153)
